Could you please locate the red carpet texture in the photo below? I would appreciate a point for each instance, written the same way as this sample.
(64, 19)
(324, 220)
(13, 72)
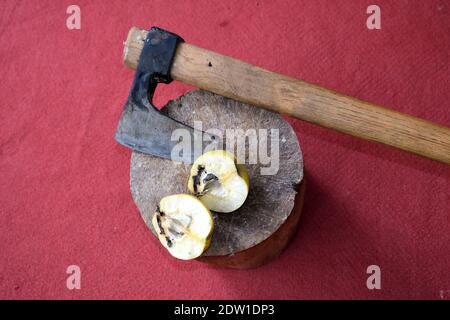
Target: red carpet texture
(64, 191)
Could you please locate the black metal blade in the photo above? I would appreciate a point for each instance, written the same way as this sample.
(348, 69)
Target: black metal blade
(150, 132)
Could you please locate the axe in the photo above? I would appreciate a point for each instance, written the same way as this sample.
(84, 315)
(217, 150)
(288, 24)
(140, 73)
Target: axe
(160, 56)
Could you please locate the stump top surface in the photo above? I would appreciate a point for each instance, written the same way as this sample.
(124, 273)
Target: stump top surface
(271, 197)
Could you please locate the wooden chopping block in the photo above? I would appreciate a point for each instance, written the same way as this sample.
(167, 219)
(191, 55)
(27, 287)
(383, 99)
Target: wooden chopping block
(257, 232)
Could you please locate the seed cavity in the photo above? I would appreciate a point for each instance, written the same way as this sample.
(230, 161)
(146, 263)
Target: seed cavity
(172, 229)
(203, 181)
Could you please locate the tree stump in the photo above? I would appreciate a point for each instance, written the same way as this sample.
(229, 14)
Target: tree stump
(259, 230)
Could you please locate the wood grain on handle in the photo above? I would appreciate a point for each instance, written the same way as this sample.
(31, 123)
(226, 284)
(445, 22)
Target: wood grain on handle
(250, 84)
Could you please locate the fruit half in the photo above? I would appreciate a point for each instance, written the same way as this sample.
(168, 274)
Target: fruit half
(184, 226)
(218, 181)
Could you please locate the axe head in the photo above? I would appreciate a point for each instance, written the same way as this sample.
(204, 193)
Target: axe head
(144, 128)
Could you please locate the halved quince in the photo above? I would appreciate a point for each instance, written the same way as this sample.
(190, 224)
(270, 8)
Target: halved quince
(218, 181)
(184, 226)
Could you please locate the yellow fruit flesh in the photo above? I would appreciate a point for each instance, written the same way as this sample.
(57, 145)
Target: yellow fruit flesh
(220, 183)
(184, 226)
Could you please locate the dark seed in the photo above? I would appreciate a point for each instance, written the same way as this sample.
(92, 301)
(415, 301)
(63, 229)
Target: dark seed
(169, 242)
(158, 220)
(196, 178)
(209, 177)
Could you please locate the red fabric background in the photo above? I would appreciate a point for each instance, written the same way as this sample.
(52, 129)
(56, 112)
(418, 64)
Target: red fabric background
(64, 192)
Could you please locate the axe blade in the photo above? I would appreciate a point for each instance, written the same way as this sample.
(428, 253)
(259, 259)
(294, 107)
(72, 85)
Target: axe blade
(144, 128)
(148, 131)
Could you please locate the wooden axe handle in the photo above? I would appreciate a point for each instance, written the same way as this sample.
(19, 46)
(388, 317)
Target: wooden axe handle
(253, 85)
